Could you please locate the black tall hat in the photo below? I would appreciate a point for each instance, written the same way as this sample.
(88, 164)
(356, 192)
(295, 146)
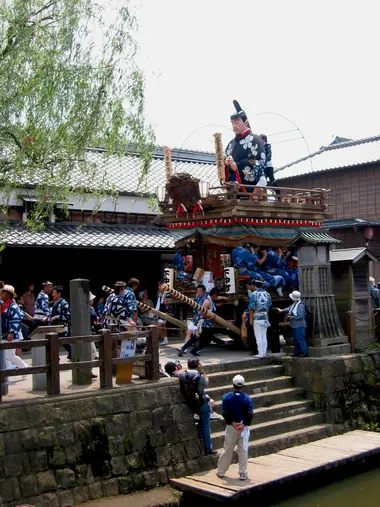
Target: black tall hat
(239, 112)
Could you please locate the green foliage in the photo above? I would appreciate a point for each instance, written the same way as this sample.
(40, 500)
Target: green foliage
(68, 82)
(367, 348)
(372, 426)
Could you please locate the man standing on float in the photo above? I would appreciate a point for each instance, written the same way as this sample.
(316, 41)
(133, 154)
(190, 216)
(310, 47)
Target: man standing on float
(245, 154)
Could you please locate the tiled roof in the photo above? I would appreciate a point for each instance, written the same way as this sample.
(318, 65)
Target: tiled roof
(114, 236)
(124, 173)
(348, 222)
(335, 156)
(318, 237)
(350, 254)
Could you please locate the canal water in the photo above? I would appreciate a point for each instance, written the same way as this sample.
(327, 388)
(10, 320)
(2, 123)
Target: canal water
(356, 491)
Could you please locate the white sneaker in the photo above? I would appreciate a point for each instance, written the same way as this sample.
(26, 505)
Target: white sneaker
(279, 291)
(243, 476)
(220, 475)
(164, 341)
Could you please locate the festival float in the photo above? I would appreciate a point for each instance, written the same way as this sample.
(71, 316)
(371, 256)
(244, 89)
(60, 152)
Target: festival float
(207, 222)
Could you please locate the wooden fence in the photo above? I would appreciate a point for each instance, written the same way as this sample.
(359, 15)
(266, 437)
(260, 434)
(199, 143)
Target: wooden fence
(106, 341)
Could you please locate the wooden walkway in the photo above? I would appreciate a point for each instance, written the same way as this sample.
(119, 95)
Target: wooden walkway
(283, 466)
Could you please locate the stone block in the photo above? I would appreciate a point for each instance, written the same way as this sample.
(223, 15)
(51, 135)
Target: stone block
(95, 491)
(133, 462)
(13, 419)
(28, 485)
(143, 420)
(156, 438)
(162, 476)
(139, 441)
(46, 481)
(193, 449)
(138, 481)
(81, 495)
(82, 430)
(29, 439)
(118, 465)
(65, 478)
(12, 442)
(6, 491)
(84, 475)
(125, 484)
(56, 457)
(47, 437)
(176, 395)
(117, 425)
(160, 417)
(163, 456)
(38, 460)
(2, 446)
(178, 453)
(104, 405)
(179, 470)
(192, 466)
(113, 446)
(15, 465)
(110, 487)
(65, 498)
(171, 434)
(65, 434)
(49, 500)
(150, 479)
(120, 404)
(73, 453)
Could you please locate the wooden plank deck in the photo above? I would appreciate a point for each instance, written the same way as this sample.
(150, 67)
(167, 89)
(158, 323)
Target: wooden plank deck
(283, 466)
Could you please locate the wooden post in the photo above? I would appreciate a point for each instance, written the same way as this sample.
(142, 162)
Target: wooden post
(52, 362)
(105, 355)
(351, 329)
(153, 366)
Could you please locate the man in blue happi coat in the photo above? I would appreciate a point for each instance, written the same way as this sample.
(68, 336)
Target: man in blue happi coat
(259, 304)
(11, 317)
(61, 315)
(249, 263)
(274, 263)
(41, 315)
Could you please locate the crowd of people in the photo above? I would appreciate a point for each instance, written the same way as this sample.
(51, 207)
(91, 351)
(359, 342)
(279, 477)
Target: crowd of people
(277, 267)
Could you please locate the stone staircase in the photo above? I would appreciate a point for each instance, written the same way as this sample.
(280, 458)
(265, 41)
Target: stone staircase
(282, 416)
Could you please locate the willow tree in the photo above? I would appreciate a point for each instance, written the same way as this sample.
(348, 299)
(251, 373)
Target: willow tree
(68, 83)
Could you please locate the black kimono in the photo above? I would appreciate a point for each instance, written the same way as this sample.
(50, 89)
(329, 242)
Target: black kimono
(244, 147)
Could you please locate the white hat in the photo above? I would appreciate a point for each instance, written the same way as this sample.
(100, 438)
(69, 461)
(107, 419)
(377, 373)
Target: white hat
(92, 296)
(10, 289)
(238, 381)
(295, 295)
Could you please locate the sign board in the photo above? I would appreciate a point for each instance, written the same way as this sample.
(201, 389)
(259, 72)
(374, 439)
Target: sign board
(169, 277)
(229, 280)
(128, 348)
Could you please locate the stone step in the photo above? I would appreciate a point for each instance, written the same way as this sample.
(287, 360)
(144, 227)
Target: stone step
(282, 441)
(253, 387)
(264, 414)
(240, 364)
(271, 398)
(330, 350)
(224, 378)
(268, 429)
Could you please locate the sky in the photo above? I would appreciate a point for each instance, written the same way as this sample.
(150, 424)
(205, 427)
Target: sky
(316, 63)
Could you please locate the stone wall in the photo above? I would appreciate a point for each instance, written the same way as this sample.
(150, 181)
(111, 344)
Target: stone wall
(346, 388)
(61, 452)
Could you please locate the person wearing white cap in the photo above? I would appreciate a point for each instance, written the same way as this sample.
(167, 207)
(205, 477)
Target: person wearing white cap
(11, 317)
(297, 318)
(237, 410)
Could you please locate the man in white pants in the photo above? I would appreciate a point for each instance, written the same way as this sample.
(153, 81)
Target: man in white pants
(259, 304)
(237, 411)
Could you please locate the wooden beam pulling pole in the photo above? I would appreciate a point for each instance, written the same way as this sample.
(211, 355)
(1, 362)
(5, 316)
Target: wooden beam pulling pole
(162, 315)
(202, 309)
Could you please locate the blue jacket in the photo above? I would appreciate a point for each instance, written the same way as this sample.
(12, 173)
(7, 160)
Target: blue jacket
(298, 320)
(260, 302)
(11, 320)
(62, 309)
(178, 261)
(130, 303)
(237, 407)
(244, 259)
(41, 306)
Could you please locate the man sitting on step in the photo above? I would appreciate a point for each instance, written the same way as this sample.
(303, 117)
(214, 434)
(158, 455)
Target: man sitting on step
(237, 410)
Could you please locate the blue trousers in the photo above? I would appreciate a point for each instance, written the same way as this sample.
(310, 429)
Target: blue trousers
(261, 274)
(280, 272)
(204, 425)
(299, 339)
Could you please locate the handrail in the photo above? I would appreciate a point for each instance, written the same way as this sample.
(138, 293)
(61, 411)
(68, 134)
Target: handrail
(105, 361)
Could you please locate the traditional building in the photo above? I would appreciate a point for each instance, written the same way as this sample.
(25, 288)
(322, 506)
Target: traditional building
(350, 171)
(117, 241)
